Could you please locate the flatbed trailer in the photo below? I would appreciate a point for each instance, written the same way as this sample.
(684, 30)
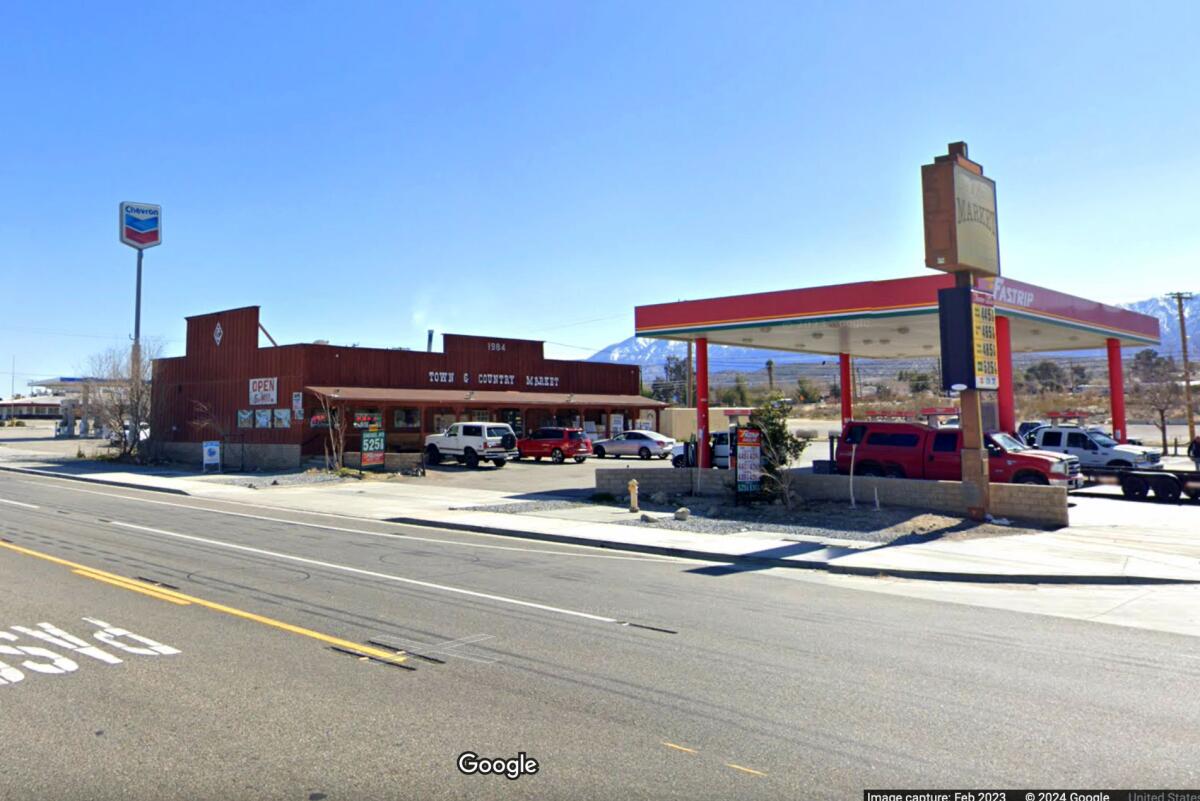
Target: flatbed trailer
(1167, 485)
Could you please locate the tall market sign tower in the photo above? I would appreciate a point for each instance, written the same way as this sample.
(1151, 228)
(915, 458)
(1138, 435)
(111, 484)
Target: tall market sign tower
(961, 237)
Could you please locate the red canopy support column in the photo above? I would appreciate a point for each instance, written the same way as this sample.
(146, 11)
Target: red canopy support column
(1116, 389)
(703, 457)
(1005, 403)
(847, 389)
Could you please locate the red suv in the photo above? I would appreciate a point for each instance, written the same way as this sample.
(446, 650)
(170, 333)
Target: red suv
(557, 443)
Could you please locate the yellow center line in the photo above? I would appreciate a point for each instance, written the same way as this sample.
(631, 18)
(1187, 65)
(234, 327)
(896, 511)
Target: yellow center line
(144, 590)
(679, 747)
(163, 594)
(744, 769)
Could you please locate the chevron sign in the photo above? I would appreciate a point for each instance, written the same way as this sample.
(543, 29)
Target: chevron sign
(140, 224)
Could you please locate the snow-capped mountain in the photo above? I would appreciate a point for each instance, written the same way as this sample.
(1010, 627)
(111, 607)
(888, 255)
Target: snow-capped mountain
(651, 355)
(1168, 320)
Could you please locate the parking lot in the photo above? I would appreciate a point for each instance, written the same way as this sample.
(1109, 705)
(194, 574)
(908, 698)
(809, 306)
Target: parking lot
(535, 478)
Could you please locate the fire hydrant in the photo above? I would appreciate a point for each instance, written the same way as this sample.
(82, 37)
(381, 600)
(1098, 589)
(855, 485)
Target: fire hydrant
(633, 504)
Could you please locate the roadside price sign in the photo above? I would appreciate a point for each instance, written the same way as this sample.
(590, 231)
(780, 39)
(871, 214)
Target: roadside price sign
(983, 323)
(748, 445)
(967, 334)
(374, 445)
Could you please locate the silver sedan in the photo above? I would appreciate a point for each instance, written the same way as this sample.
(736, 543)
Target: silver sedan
(643, 444)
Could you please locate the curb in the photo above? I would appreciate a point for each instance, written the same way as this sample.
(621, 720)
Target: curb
(795, 564)
(92, 480)
(750, 562)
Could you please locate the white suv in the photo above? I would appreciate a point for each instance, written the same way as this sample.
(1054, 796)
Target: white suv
(1094, 448)
(720, 452)
(471, 443)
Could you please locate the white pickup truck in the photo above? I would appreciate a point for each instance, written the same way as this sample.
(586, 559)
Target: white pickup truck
(1094, 448)
(471, 443)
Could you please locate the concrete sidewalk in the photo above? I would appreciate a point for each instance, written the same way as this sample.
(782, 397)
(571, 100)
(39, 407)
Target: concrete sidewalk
(1100, 553)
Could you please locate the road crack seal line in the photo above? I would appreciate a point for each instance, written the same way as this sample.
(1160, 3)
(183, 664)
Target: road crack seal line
(368, 658)
(411, 652)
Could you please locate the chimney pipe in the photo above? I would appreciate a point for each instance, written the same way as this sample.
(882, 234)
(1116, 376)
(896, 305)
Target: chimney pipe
(429, 342)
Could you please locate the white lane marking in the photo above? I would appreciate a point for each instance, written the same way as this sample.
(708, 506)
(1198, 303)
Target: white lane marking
(10, 675)
(56, 666)
(639, 558)
(372, 573)
(18, 503)
(56, 636)
(112, 635)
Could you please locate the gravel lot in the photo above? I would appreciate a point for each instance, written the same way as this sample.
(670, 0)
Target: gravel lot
(264, 480)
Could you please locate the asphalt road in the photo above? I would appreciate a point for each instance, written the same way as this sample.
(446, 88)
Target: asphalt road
(226, 683)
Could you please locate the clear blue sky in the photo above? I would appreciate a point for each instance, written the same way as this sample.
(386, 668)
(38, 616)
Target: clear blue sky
(536, 169)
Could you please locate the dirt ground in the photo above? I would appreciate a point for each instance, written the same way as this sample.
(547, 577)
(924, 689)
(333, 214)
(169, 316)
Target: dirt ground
(38, 435)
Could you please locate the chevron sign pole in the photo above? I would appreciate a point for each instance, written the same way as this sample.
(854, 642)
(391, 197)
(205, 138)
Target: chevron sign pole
(140, 227)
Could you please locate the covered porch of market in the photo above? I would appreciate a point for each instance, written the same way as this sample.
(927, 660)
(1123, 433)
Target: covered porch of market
(408, 415)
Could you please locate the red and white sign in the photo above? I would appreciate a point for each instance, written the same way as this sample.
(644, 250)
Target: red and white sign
(264, 391)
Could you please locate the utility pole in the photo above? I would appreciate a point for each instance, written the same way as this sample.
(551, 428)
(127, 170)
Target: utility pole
(1180, 297)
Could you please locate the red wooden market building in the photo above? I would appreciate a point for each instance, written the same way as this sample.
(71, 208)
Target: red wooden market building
(898, 318)
(268, 399)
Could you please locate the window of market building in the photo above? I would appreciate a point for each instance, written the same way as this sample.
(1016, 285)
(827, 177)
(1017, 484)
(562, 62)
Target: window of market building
(407, 418)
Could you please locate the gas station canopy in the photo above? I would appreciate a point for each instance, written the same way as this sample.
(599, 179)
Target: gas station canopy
(895, 318)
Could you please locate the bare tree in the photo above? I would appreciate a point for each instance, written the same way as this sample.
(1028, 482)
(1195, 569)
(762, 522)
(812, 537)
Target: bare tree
(1157, 389)
(205, 418)
(119, 398)
(335, 444)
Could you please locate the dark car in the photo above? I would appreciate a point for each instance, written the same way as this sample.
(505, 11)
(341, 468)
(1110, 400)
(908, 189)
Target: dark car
(1027, 427)
(559, 444)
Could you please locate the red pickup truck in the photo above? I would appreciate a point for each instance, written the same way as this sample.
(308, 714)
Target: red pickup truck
(915, 450)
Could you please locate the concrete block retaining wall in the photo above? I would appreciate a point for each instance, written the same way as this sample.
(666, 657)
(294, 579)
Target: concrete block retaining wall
(674, 481)
(1043, 506)
(234, 456)
(933, 496)
(1046, 506)
(393, 462)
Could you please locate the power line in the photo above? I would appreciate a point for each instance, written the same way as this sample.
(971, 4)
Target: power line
(582, 322)
(51, 332)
